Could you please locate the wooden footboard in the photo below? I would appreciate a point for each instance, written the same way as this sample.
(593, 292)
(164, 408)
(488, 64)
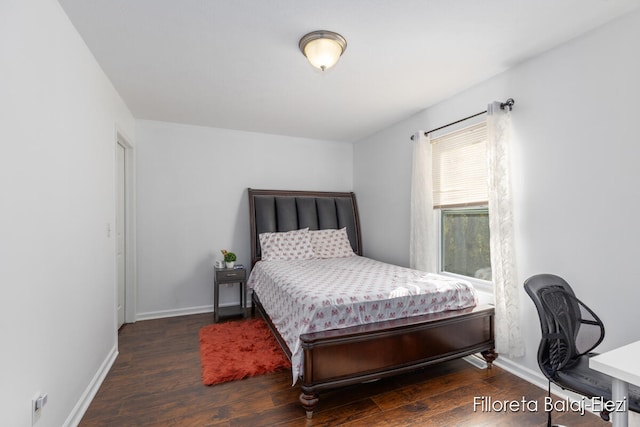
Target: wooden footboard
(341, 357)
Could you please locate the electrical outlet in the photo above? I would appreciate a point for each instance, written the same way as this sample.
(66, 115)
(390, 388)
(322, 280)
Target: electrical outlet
(37, 403)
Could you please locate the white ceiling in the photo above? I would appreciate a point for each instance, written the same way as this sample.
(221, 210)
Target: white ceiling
(235, 63)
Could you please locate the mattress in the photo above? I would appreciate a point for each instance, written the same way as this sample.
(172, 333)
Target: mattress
(303, 296)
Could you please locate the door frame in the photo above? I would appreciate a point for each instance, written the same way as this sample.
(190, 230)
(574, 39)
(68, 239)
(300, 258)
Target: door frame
(130, 227)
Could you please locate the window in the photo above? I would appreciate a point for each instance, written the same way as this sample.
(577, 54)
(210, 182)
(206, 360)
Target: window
(460, 197)
(464, 237)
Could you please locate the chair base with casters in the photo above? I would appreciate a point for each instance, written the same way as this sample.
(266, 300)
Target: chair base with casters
(570, 331)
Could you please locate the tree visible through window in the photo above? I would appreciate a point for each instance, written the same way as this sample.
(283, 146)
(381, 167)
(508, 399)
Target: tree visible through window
(465, 242)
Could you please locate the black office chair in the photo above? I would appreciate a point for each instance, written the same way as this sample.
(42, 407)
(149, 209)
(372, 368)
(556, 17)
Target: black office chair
(570, 331)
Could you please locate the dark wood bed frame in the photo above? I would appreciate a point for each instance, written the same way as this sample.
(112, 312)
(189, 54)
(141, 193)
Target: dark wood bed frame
(342, 357)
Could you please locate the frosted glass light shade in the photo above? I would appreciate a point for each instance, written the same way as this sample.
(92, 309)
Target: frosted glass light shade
(323, 48)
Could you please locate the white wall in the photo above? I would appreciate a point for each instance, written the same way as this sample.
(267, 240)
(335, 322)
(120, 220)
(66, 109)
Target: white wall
(576, 152)
(192, 201)
(58, 118)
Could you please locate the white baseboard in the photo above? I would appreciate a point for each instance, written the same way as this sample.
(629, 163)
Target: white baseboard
(476, 361)
(182, 311)
(81, 407)
(174, 313)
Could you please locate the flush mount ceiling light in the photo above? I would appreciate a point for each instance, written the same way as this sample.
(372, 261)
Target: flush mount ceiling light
(322, 48)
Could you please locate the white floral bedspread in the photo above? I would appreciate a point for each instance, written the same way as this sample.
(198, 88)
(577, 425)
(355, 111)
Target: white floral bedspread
(321, 294)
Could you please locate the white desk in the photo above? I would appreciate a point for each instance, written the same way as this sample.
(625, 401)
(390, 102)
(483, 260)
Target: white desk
(623, 364)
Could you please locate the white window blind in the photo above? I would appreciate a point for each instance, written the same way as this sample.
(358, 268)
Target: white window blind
(460, 168)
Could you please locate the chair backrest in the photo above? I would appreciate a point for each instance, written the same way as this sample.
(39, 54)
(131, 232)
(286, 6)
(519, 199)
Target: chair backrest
(570, 329)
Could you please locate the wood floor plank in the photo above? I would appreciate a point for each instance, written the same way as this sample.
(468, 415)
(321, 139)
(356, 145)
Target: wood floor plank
(156, 381)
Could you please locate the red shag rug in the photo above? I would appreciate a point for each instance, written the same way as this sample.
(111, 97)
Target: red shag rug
(239, 349)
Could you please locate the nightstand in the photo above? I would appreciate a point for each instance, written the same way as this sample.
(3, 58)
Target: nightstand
(229, 276)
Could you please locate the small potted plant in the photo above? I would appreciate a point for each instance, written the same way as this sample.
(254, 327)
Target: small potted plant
(229, 258)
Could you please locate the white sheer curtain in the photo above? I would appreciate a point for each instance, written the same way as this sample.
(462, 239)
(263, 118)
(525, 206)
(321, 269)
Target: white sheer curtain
(422, 242)
(503, 260)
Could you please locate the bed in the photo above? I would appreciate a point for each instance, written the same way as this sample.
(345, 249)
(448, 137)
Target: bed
(339, 355)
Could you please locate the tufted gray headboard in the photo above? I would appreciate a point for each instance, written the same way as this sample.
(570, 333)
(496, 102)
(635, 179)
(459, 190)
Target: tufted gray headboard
(281, 210)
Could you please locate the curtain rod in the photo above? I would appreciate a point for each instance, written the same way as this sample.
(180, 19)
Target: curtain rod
(508, 103)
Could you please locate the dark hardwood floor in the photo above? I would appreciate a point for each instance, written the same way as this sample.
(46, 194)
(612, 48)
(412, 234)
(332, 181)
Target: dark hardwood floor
(156, 381)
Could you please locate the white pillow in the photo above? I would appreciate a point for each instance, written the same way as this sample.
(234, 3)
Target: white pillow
(286, 246)
(331, 243)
